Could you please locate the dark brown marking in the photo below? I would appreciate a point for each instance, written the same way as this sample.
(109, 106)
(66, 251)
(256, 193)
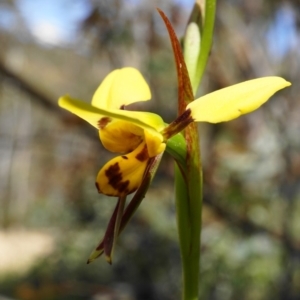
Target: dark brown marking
(115, 179)
(124, 157)
(103, 122)
(123, 187)
(143, 155)
(179, 124)
(122, 107)
(185, 117)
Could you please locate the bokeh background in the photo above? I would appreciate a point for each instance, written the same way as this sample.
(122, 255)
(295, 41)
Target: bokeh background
(51, 215)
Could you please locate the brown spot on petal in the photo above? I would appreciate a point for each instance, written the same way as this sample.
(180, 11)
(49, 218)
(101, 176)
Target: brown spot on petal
(143, 155)
(103, 122)
(124, 156)
(115, 179)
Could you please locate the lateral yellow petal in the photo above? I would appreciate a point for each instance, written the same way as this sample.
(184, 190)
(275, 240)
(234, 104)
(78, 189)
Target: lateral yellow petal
(95, 115)
(123, 174)
(81, 109)
(120, 88)
(231, 102)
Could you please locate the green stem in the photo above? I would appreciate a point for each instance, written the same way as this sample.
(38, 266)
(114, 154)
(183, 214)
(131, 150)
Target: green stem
(189, 181)
(189, 237)
(188, 190)
(188, 171)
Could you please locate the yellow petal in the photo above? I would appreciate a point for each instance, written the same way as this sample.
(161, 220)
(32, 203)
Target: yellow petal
(123, 174)
(121, 87)
(95, 115)
(231, 102)
(121, 136)
(102, 96)
(154, 142)
(81, 109)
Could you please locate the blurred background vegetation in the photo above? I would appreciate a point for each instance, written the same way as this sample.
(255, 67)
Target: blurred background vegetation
(50, 212)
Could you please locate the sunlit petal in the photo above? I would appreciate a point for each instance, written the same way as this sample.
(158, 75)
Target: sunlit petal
(102, 96)
(94, 115)
(121, 87)
(123, 174)
(81, 109)
(231, 102)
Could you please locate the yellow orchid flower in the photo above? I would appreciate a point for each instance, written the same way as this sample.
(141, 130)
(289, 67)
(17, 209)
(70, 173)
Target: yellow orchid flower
(140, 136)
(134, 134)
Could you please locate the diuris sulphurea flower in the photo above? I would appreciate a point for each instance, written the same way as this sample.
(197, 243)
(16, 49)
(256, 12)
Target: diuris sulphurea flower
(139, 136)
(135, 135)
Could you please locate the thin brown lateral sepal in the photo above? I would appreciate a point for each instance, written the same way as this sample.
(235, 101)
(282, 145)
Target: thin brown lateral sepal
(116, 224)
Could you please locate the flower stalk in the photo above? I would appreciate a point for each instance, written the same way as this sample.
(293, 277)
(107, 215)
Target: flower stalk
(188, 180)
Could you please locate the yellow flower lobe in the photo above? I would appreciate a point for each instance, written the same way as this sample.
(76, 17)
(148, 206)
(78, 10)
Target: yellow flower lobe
(229, 103)
(123, 174)
(121, 136)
